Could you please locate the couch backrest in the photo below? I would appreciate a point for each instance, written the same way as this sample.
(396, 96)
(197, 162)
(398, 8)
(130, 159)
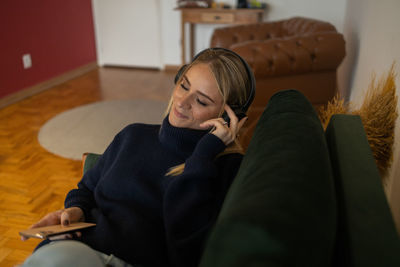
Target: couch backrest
(366, 232)
(296, 26)
(301, 26)
(280, 209)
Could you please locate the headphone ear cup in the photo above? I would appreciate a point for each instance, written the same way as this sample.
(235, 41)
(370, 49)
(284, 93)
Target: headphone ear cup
(226, 117)
(240, 114)
(179, 74)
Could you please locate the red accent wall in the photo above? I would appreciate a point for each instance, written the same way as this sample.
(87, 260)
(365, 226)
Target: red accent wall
(58, 34)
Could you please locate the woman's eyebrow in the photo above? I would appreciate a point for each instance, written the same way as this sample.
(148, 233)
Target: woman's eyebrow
(206, 96)
(200, 93)
(186, 79)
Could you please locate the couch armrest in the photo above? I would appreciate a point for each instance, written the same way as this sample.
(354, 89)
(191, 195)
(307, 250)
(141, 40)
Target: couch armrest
(297, 55)
(366, 232)
(88, 161)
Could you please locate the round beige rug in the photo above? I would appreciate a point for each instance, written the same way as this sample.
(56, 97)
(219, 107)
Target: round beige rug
(92, 127)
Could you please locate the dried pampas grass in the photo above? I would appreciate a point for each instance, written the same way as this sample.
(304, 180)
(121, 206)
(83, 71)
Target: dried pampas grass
(378, 114)
(336, 106)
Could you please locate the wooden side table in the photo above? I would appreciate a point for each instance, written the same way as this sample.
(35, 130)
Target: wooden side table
(195, 16)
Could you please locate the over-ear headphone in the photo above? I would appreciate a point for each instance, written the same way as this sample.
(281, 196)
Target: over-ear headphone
(240, 111)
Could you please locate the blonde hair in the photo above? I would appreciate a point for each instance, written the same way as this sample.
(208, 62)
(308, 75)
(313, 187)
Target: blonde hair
(233, 84)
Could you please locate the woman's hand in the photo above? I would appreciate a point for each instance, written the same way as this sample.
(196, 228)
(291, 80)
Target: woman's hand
(63, 217)
(227, 133)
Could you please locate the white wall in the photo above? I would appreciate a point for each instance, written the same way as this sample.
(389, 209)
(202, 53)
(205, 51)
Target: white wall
(128, 32)
(372, 34)
(170, 33)
(327, 10)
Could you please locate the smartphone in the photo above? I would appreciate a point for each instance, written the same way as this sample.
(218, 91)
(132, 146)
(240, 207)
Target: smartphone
(48, 231)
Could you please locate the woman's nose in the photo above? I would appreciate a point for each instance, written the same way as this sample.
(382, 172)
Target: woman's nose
(184, 101)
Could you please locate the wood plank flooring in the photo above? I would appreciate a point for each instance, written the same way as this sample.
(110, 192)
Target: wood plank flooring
(33, 181)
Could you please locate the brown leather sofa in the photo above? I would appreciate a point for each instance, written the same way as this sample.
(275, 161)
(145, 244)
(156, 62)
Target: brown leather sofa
(298, 53)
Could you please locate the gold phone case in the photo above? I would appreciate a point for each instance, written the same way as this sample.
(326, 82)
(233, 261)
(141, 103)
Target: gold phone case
(47, 231)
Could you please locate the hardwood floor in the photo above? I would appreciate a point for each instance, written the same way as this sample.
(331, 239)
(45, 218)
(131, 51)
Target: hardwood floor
(33, 181)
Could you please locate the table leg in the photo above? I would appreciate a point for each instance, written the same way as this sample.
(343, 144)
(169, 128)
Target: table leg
(183, 41)
(192, 40)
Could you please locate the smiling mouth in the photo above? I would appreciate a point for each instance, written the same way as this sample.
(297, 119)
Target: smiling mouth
(179, 115)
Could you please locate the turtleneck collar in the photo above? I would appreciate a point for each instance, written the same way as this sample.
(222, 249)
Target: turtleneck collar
(181, 141)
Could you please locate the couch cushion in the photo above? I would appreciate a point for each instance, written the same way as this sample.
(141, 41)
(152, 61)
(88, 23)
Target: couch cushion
(89, 160)
(280, 209)
(366, 231)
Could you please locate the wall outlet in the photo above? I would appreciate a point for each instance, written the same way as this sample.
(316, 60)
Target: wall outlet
(27, 61)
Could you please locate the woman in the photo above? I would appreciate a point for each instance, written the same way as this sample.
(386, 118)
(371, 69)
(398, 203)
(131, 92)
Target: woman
(157, 189)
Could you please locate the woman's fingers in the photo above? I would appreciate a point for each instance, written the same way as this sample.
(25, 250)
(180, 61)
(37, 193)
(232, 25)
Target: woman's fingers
(71, 215)
(232, 117)
(227, 133)
(63, 217)
(235, 125)
(224, 131)
(52, 218)
(241, 123)
(213, 123)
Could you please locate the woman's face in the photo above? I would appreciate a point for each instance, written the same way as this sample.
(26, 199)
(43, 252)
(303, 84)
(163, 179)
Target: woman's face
(195, 99)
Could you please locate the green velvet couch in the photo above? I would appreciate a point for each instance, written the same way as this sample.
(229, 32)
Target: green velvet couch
(303, 197)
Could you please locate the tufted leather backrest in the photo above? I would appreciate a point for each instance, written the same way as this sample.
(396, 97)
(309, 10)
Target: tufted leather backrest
(227, 36)
(293, 46)
(301, 26)
(297, 55)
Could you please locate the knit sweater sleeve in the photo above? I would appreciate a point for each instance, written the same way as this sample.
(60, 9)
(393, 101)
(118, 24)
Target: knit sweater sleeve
(83, 196)
(193, 199)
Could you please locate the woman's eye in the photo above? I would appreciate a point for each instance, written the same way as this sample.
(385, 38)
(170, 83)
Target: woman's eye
(184, 87)
(201, 103)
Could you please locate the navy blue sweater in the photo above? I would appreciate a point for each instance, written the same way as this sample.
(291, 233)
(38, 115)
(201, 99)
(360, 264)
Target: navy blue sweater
(144, 216)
